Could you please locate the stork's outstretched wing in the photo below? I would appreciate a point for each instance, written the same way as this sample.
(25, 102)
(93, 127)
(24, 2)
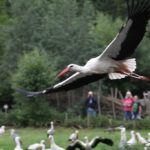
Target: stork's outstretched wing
(130, 35)
(77, 145)
(75, 81)
(98, 140)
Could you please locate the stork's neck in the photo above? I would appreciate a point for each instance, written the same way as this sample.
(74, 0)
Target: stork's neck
(18, 144)
(52, 126)
(133, 136)
(123, 135)
(52, 142)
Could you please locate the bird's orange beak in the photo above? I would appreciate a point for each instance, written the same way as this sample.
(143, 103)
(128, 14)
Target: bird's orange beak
(63, 72)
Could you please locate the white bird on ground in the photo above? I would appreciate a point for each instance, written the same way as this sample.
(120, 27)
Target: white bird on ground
(114, 60)
(51, 131)
(53, 145)
(18, 143)
(37, 146)
(16, 138)
(2, 130)
(133, 139)
(147, 146)
(123, 137)
(74, 136)
(141, 139)
(88, 145)
(13, 134)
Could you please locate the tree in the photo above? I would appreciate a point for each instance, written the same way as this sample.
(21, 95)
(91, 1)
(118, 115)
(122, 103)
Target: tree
(55, 26)
(114, 8)
(34, 72)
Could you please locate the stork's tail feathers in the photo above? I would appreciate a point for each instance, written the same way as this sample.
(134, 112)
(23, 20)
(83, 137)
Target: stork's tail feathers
(127, 68)
(130, 64)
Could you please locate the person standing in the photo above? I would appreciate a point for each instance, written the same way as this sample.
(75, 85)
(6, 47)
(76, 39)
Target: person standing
(91, 104)
(127, 104)
(137, 109)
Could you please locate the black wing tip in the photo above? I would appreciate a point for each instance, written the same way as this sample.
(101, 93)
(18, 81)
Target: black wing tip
(22, 91)
(27, 93)
(108, 142)
(138, 7)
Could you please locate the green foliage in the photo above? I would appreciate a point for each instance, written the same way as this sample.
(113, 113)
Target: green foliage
(66, 32)
(34, 73)
(114, 8)
(55, 26)
(106, 29)
(35, 70)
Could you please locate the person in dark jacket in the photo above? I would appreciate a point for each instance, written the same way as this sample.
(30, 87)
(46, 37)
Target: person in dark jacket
(91, 104)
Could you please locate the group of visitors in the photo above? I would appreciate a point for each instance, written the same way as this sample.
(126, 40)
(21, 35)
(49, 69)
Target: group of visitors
(132, 107)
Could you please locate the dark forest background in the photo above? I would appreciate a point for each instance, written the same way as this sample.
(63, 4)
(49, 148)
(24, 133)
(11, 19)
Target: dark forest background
(38, 38)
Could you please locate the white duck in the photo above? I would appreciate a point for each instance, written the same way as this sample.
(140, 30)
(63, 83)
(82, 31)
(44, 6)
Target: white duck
(37, 146)
(133, 139)
(54, 146)
(51, 131)
(18, 143)
(140, 139)
(74, 136)
(123, 138)
(2, 130)
(13, 134)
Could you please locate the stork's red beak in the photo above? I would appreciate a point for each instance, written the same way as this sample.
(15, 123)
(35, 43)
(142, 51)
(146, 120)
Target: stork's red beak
(63, 72)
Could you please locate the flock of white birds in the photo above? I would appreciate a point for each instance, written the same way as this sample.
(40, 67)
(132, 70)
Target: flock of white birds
(136, 138)
(75, 143)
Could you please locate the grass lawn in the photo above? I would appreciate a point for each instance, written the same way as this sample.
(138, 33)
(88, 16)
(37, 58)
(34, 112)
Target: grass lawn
(33, 135)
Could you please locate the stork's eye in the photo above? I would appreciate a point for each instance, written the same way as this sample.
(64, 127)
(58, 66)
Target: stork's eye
(71, 66)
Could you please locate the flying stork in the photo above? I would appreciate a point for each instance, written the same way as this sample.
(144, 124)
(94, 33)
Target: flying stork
(114, 61)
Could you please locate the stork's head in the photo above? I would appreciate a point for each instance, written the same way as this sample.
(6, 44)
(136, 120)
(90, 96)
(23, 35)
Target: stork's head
(76, 131)
(86, 139)
(120, 128)
(12, 131)
(42, 141)
(69, 68)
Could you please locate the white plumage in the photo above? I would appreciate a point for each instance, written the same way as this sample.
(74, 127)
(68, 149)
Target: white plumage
(2, 130)
(13, 134)
(54, 146)
(51, 131)
(17, 139)
(133, 139)
(123, 138)
(18, 143)
(74, 136)
(140, 139)
(37, 146)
